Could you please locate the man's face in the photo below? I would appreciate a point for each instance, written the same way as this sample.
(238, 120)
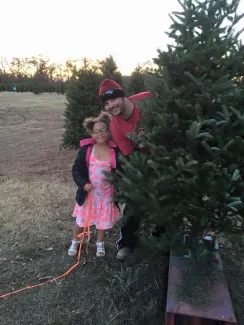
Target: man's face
(115, 106)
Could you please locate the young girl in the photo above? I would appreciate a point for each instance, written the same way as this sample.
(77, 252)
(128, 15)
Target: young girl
(96, 155)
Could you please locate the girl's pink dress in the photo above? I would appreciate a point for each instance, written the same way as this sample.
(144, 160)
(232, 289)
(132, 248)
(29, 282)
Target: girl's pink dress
(103, 214)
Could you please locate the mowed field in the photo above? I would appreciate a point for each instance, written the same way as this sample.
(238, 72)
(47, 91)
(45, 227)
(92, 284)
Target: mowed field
(36, 202)
(31, 127)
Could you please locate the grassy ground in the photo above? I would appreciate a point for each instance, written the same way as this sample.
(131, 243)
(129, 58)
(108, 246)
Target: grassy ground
(36, 202)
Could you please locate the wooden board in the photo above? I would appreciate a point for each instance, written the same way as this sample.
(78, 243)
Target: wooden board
(219, 307)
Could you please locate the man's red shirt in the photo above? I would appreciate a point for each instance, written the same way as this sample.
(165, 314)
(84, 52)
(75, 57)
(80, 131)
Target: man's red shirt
(120, 128)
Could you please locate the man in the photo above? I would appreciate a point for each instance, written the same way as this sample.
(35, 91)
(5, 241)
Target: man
(125, 117)
(125, 113)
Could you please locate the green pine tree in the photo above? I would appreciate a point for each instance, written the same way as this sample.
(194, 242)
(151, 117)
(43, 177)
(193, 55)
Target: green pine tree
(35, 89)
(21, 88)
(31, 87)
(138, 79)
(82, 102)
(191, 179)
(25, 87)
(62, 88)
(109, 70)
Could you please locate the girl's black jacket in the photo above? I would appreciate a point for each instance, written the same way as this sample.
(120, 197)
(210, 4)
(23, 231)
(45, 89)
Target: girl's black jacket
(80, 171)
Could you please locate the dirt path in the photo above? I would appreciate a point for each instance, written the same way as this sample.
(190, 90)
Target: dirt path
(31, 128)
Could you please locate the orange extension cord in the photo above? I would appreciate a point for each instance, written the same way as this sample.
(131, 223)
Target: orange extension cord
(86, 230)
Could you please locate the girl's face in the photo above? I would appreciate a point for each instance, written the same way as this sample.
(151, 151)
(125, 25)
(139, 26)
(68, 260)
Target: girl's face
(100, 132)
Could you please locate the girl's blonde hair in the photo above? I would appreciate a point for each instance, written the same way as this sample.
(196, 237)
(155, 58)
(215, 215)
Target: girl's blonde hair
(102, 117)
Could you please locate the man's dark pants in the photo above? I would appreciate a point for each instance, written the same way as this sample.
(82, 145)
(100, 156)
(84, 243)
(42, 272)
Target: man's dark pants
(128, 237)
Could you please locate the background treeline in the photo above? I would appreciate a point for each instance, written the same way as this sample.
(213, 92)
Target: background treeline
(39, 74)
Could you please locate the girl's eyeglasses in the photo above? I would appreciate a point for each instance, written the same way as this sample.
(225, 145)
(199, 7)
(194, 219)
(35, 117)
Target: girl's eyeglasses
(100, 131)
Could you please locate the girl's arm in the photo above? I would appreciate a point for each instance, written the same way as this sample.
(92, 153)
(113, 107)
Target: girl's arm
(80, 170)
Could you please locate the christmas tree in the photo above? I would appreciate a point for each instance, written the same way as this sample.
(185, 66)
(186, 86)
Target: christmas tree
(137, 81)
(139, 78)
(82, 97)
(110, 70)
(82, 102)
(191, 178)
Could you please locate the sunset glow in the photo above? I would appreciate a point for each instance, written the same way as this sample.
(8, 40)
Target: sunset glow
(129, 30)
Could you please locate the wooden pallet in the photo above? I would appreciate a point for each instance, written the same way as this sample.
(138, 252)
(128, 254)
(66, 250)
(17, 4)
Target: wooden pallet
(179, 312)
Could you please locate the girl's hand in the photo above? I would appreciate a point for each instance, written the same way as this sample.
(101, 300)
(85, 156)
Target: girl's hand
(87, 187)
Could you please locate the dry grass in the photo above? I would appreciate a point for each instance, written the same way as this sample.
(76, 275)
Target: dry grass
(233, 260)
(36, 202)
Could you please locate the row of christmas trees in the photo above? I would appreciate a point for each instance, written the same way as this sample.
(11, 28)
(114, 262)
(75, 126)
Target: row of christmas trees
(57, 87)
(108, 67)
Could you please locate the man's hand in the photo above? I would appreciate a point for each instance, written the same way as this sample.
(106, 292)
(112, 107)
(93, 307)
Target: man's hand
(87, 187)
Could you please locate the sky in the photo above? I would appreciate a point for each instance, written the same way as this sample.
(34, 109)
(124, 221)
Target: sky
(129, 30)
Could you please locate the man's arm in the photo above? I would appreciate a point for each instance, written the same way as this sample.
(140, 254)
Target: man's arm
(141, 96)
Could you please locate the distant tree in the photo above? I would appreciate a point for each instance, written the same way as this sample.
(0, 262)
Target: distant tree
(62, 88)
(82, 102)
(26, 87)
(138, 79)
(109, 69)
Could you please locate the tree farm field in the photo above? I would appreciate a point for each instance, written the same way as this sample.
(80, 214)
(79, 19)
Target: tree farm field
(36, 201)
